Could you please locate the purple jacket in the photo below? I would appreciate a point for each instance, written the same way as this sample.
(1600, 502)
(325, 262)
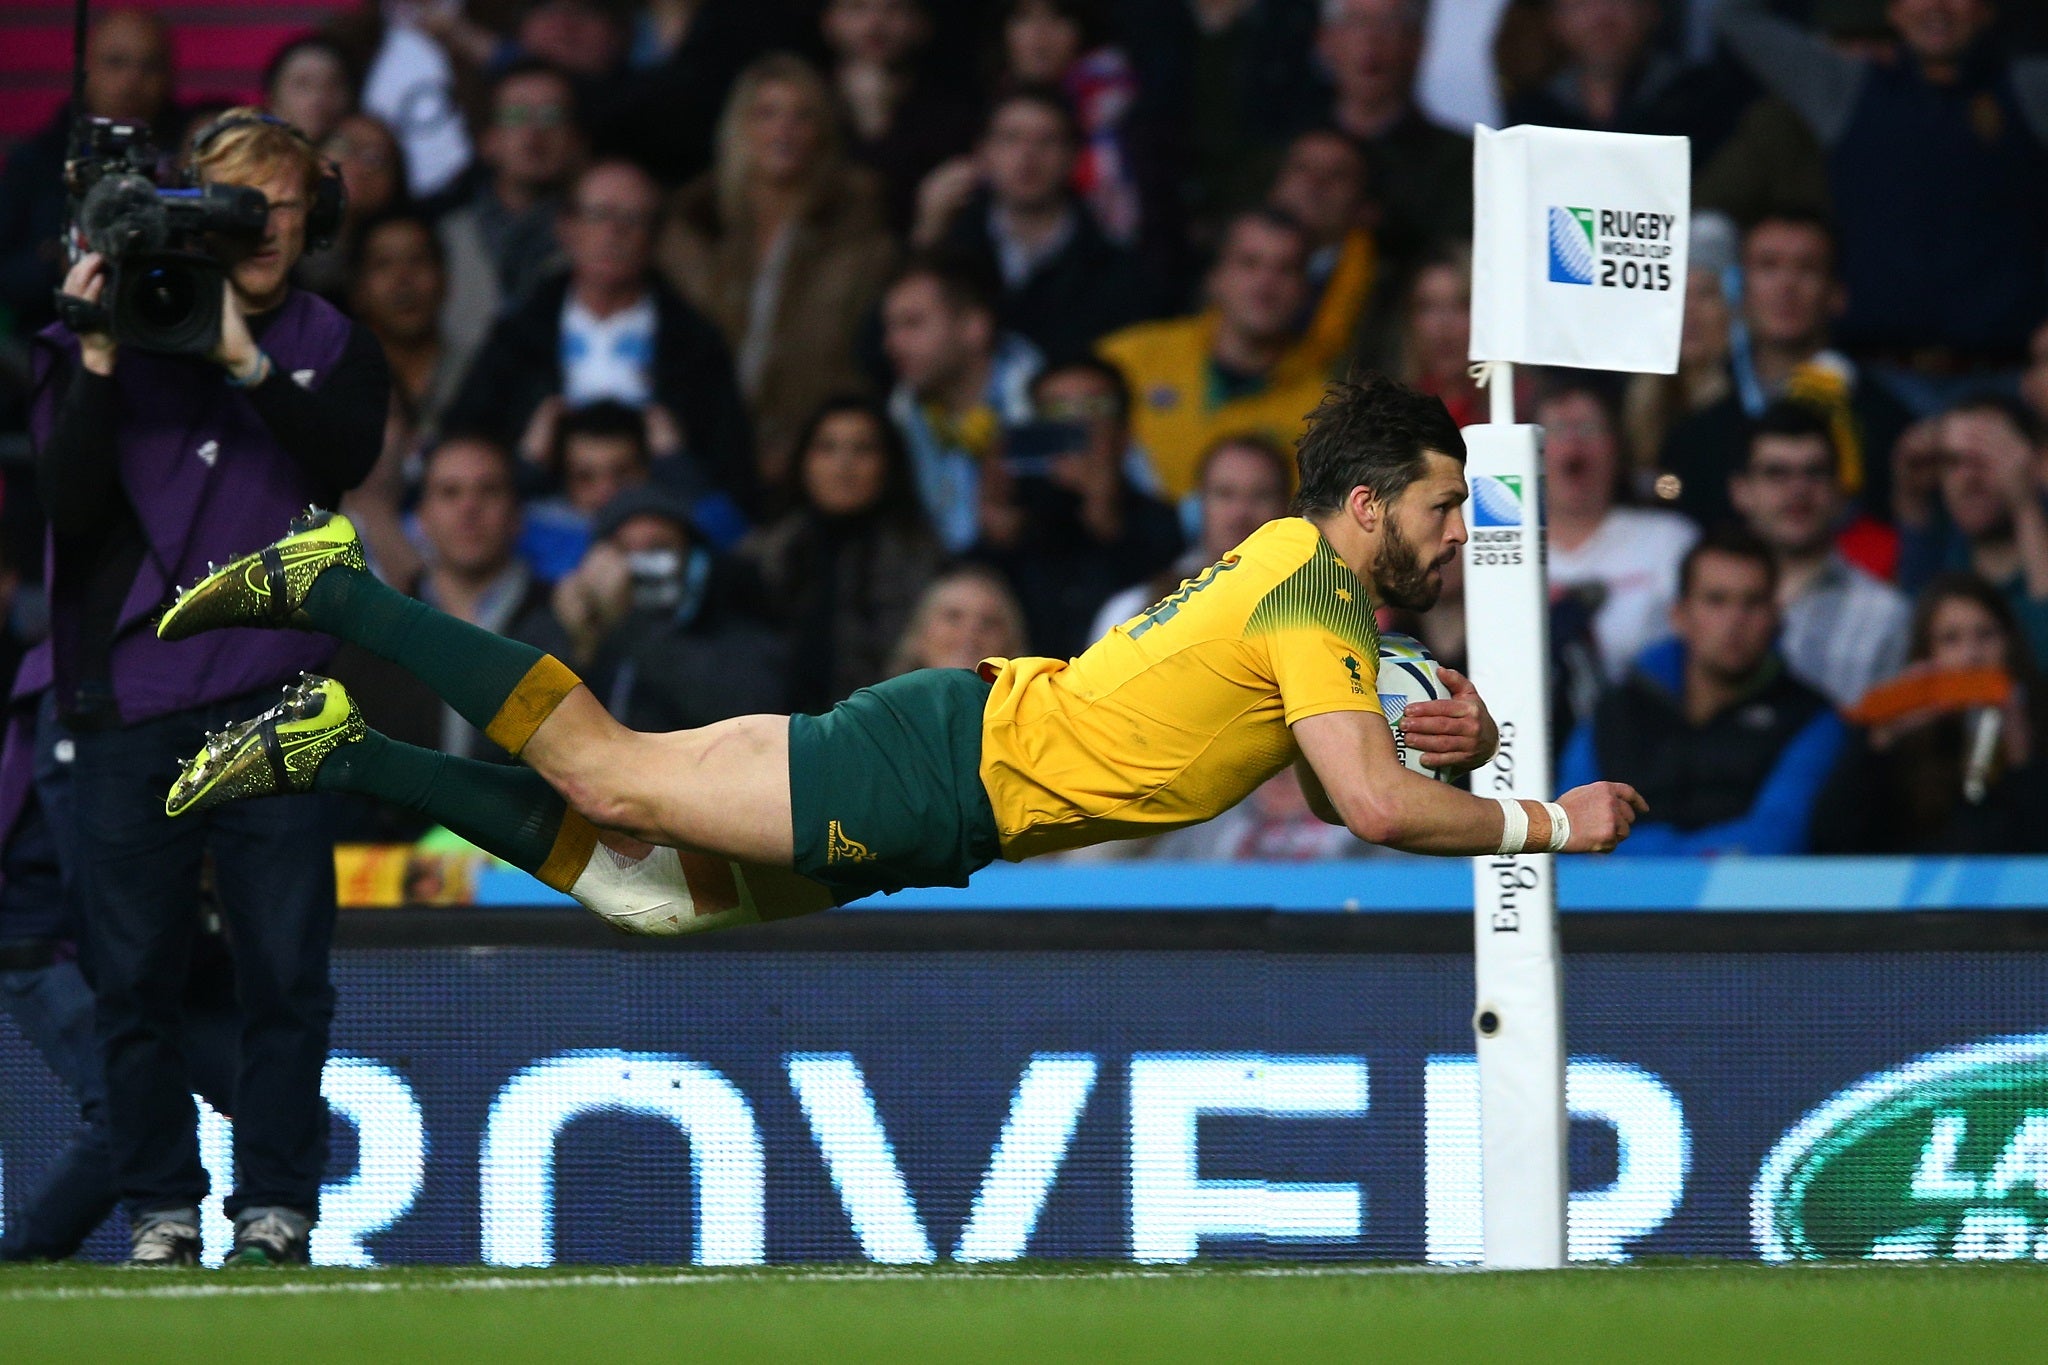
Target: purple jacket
(208, 482)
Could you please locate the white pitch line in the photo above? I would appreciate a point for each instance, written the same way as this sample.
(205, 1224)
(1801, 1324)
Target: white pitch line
(601, 1280)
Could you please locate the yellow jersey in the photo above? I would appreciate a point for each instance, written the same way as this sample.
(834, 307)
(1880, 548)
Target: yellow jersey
(1180, 712)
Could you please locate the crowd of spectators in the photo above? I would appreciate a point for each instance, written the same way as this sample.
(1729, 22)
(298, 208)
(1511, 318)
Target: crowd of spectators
(747, 352)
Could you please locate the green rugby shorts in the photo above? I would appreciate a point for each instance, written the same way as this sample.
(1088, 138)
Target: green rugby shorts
(885, 788)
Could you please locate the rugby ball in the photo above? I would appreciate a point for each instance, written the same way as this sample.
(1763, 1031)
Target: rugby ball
(1408, 674)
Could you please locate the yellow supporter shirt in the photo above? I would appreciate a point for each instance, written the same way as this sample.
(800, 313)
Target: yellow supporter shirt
(1173, 415)
(1179, 713)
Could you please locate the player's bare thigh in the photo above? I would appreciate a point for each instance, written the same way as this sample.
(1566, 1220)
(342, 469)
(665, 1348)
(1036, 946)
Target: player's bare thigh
(722, 788)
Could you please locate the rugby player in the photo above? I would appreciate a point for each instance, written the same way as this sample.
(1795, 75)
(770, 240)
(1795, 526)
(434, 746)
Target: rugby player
(1266, 658)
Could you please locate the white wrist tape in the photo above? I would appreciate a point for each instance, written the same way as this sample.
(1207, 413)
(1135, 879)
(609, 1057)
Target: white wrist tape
(1514, 830)
(1560, 826)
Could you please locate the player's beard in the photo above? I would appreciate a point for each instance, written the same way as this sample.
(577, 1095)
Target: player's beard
(1404, 578)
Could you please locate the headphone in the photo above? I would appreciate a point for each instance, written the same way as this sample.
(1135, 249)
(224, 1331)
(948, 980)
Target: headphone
(330, 196)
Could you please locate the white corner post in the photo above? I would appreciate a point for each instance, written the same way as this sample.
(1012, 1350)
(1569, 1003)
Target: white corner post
(1518, 1018)
(1578, 259)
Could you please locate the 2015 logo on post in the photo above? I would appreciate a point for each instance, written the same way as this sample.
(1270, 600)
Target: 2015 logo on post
(1611, 248)
(1496, 500)
(1944, 1156)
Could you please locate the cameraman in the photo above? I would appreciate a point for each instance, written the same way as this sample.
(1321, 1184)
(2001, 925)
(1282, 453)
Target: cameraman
(150, 466)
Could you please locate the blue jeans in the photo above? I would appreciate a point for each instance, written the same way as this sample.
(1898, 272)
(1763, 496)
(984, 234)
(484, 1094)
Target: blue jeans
(138, 882)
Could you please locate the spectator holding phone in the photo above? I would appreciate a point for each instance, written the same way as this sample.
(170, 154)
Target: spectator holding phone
(665, 631)
(1061, 516)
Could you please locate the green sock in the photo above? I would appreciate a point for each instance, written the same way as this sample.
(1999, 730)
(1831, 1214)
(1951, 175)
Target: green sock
(505, 809)
(504, 688)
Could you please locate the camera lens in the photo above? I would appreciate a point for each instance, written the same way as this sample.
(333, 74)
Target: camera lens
(165, 296)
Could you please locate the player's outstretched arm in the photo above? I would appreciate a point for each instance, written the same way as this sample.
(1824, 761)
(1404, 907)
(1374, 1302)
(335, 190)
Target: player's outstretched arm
(1352, 757)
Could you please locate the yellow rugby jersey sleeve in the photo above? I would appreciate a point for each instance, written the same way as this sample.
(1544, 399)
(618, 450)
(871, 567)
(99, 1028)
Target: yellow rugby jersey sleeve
(1322, 647)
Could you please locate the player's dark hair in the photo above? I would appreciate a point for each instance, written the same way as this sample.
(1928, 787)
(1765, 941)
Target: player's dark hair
(1731, 540)
(1377, 433)
(1790, 419)
(531, 66)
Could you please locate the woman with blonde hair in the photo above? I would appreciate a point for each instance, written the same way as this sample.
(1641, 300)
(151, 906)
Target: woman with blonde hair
(968, 614)
(782, 245)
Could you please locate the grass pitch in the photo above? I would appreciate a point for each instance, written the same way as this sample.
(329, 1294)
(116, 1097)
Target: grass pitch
(1031, 1313)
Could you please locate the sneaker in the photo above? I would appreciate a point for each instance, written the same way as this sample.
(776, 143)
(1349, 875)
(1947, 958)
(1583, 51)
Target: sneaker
(170, 1238)
(277, 752)
(270, 1237)
(269, 587)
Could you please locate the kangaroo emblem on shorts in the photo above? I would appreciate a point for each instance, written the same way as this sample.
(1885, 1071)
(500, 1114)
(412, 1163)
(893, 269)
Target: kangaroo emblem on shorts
(840, 849)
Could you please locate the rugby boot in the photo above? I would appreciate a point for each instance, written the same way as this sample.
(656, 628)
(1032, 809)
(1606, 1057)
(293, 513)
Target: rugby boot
(268, 587)
(276, 752)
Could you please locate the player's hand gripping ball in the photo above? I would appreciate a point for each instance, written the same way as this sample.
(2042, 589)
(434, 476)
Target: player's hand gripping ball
(1408, 674)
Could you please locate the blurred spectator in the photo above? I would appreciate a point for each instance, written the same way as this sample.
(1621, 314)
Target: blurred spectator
(1729, 749)
(959, 381)
(663, 629)
(1432, 348)
(903, 120)
(398, 281)
(1655, 403)
(311, 84)
(1843, 629)
(398, 285)
(1064, 522)
(1237, 367)
(1010, 209)
(1421, 173)
(1244, 484)
(410, 82)
(1983, 511)
(1322, 186)
(127, 76)
(1772, 162)
(1614, 568)
(1064, 45)
(684, 56)
(968, 614)
(2034, 382)
(1938, 164)
(469, 521)
(598, 452)
(846, 565)
(1790, 299)
(610, 328)
(500, 239)
(584, 38)
(372, 171)
(1905, 782)
(1610, 76)
(783, 246)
